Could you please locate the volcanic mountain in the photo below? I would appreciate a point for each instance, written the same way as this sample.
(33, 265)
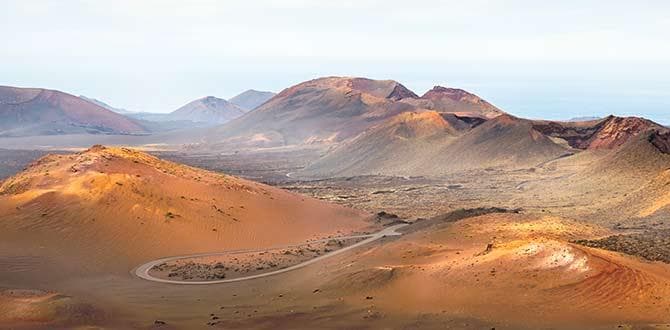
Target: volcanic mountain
(110, 209)
(461, 143)
(251, 99)
(323, 110)
(457, 101)
(505, 141)
(431, 144)
(33, 111)
(208, 109)
(606, 133)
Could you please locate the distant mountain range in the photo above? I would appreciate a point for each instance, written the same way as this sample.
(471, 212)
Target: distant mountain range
(364, 126)
(35, 111)
(210, 110)
(334, 109)
(325, 110)
(381, 127)
(251, 99)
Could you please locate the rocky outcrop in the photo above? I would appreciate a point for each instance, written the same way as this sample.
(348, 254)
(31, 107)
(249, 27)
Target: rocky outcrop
(661, 140)
(616, 131)
(401, 92)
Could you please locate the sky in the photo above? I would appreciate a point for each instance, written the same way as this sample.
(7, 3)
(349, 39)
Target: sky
(536, 59)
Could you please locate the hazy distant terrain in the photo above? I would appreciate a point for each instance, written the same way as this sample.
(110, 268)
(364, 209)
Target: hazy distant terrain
(105, 105)
(251, 99)
(30, 111)
(210, 110)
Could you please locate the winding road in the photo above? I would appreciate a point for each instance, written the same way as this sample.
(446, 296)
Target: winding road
(143, 270)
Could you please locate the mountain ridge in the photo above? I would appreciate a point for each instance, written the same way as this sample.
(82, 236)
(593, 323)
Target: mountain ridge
(38, 111)
(251, 99)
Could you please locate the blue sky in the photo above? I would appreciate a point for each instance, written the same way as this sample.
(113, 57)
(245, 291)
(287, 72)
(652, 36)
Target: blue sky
(535, 59)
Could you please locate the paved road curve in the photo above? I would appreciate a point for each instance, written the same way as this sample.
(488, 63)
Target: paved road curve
(143, 270)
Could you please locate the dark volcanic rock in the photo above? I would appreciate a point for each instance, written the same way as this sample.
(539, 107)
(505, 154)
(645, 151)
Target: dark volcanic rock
(401, 92)
(661, 141)
(650, 245)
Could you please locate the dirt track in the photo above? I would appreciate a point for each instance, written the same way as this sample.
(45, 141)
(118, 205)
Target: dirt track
(143, 270)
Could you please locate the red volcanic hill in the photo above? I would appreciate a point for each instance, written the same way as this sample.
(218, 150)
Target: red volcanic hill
(334, 109)
(32, 111)
(110, 209)
(323, 110)
(607, 133)
(458, 101)
(208, 109)
(430, 143)
(615, 131)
